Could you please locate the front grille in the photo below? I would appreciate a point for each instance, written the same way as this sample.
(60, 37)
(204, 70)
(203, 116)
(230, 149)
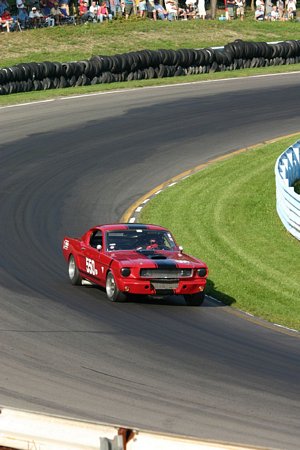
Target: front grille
(164, 285)
(165, 274)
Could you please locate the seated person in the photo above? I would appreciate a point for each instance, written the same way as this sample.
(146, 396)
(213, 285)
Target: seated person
(152, 245)
(94, 10)
(6, 20)
(161, 12)
(259, 13)
(35, 17)
(64, 7)
(83, 11)
(103, 13)
(191, 9)
(174, 12)
(56, 13)
(274, 14)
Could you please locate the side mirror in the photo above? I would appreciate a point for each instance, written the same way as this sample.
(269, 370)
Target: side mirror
(180, 249)
(99, 247)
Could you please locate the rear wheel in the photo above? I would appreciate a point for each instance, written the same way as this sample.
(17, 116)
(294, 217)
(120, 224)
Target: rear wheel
(195, 299)
(74, 274)
(112, 291)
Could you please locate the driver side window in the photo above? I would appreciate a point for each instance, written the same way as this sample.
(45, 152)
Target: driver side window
(96, 239)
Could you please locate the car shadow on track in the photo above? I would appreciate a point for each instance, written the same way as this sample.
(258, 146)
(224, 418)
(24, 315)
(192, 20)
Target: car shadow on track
(222, 298)
(178, 300)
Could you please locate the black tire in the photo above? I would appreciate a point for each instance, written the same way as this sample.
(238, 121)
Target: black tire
(74, 274)
(194, 299)
(112, 291)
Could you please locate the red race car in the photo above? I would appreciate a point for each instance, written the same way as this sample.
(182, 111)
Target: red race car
(135, 259)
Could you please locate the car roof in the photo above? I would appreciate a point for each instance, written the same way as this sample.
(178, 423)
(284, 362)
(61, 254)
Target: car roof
(128, 226)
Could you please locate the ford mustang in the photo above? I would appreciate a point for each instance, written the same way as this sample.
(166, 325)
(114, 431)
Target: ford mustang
(135, 259)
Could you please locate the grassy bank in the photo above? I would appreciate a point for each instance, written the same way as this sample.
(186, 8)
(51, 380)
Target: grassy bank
(227, 217)
(69, 43)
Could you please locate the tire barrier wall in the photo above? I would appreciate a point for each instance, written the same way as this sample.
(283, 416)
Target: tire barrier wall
(23, 430)
(287, 171)
(146, 64)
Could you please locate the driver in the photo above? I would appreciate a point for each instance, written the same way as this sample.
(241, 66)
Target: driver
(152, 244)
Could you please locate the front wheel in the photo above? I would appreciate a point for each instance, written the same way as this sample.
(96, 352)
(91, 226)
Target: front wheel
(74, 274)
(195, 299)
(112, 291)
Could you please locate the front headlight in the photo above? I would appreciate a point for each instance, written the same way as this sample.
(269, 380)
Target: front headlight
(125, 271)
(202, 272)
(185, 272)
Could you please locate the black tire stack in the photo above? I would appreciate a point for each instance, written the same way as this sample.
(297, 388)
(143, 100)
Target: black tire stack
(146, 64)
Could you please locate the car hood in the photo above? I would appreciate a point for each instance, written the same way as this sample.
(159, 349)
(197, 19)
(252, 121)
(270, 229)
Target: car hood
(155, 258)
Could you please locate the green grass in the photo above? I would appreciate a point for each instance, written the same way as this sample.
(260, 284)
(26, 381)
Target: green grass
(227, 217)
(69, 43)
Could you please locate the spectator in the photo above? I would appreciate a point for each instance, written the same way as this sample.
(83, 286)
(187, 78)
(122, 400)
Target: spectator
(94, 8)
(35, 17)
(274, 14)
(190, 9)
(3, 6)
(23, 16)
(229, 7)
(161, 12)
(151, 9)
(83, 11)
(50, 3)
(174, 12)
(115, 8)
(260, 3)
(291, 9)
(128, 8)
(19, 4)
(64, 7)
(240, 10)
(142, 8)
(6, 20)
(103, 13)
(259, 13)
(280, 8)
(44, 8)
(57, 14)
(268, 9)
(201, 9)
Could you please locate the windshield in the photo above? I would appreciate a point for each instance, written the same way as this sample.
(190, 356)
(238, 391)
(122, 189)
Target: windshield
(139, 239)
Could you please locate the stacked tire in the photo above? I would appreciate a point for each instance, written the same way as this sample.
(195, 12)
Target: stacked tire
(145, 65)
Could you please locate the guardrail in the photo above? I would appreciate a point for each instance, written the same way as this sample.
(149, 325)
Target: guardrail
(23, 430)
(287, 171)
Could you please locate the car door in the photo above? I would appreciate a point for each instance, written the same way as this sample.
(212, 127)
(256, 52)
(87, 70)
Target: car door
(93, 255)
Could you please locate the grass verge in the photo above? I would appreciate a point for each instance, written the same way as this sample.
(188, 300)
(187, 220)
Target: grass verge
(227, 217)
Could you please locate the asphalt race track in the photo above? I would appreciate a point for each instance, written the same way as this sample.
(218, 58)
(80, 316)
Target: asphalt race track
(69, 164)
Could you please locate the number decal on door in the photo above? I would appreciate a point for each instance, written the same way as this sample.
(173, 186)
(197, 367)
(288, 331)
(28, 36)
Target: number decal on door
(91, 266)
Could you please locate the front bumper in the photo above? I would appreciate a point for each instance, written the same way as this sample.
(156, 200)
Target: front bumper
(153, 287)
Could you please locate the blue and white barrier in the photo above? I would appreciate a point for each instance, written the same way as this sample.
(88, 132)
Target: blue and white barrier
(287, 171)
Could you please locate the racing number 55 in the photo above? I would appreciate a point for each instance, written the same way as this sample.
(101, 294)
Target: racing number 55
(91, 266)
